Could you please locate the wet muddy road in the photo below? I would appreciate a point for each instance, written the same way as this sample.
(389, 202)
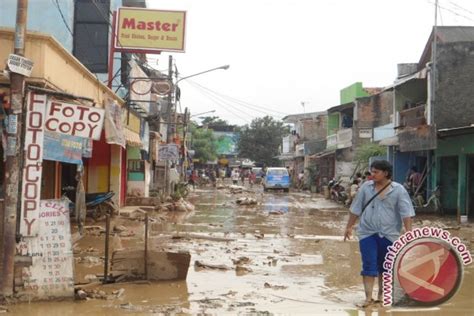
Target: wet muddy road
(282, 256)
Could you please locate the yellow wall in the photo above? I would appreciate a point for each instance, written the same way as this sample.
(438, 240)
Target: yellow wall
(56, 68)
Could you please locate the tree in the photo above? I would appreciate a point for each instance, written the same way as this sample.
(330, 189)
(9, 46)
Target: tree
(367, 150)
(214, 121)
(260, 140)
(204, 144)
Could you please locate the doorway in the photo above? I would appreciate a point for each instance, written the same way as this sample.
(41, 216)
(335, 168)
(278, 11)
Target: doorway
(449, 184)
(68, 180)
(470, 188)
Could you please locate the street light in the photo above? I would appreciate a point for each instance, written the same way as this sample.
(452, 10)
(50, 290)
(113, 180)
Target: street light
(177, 95)
(203, 113)
(225, 67)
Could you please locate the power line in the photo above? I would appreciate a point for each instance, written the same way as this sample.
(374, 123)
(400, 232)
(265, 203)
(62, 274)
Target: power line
(224, 106)
(225, 102)
(453, 12)
(56, 3)
(459, 7)
(212, 98)
(243, 103)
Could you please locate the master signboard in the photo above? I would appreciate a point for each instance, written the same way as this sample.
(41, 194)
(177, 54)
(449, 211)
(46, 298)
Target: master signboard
(150, 30)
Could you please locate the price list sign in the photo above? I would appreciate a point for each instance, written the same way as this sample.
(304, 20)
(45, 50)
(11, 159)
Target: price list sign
(51, 274)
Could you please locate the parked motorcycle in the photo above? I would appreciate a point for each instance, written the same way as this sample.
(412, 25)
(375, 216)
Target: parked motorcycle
(337, 191)
(97, 204)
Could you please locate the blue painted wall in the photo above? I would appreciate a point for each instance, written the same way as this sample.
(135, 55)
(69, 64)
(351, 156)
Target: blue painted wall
(43, 16)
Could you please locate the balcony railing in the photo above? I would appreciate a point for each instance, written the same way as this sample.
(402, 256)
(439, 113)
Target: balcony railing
(342, 139)
(413, 117)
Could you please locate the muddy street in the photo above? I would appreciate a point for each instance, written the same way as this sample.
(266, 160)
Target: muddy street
(283, 255)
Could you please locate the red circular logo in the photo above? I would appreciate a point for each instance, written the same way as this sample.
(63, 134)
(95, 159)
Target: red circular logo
(429, 271)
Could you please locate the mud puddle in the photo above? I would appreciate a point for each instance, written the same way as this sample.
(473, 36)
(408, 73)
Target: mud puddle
(284, 255)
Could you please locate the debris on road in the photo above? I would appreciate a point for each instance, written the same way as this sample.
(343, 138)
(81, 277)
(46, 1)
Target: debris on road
(275, 287)
(241, 270)
(246, 201)
(204, 237)
(160, 265)
(241, 260)
(277, 212)
(84, 294)
(200, 264)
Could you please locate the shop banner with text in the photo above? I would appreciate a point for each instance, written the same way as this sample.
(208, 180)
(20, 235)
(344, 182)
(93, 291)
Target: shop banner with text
(150, 30)
(73, 119)
(64, 148)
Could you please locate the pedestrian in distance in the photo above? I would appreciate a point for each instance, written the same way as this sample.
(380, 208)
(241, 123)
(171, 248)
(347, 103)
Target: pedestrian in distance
(382, 206)
(353, 191)
(243, 173)
(252, 178)
(193, 178)
(367, 176)
(235, 176)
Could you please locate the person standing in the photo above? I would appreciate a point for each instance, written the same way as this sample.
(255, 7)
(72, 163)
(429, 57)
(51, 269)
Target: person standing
(252, 178)
(381, 220)
(235, 176)
(243, 174)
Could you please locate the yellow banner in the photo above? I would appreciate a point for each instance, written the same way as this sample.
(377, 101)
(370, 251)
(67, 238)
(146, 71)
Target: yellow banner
(150, 30)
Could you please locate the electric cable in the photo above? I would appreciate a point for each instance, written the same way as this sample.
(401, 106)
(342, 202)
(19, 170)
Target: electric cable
(212, 98)
(240, 104)
(453, 12)
(224, 102)
(245, 104)
(219, 103)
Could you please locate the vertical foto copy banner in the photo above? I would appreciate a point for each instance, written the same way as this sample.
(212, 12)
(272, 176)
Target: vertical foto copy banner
(33, 159)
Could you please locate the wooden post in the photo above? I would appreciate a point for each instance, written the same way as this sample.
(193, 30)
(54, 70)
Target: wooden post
(12, 164)
(146, 246)
(106, 250)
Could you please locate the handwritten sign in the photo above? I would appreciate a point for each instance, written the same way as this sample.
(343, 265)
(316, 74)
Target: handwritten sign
(51, 272)
(32, 170)
(20, 65)
(76, 120)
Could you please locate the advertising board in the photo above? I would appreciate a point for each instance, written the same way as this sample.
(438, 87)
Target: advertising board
(150, 30)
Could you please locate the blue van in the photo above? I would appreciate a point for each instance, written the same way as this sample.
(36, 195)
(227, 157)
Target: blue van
(276, 178)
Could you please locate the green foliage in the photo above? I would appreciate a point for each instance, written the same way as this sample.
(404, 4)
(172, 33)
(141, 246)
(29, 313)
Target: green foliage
(204, 143)
(260, 140)
(367, 150)
(214, 121)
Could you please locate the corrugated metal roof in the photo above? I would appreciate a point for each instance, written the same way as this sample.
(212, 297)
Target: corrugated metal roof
(293, 118)
(341, 107)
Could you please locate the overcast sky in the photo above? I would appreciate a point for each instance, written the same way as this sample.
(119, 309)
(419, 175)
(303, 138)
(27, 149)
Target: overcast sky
(284, 52)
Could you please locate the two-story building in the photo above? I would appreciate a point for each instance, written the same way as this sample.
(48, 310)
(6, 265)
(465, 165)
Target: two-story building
(307, 138)
(434, 117)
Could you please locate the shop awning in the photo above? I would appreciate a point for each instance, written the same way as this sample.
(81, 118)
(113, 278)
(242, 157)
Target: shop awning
(323, 154)
(132, 138)
(390, 141)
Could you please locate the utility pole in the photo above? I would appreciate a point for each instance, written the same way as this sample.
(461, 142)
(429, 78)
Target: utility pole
(433, 65)
(169, 130)
(12, 164)
(185, 156)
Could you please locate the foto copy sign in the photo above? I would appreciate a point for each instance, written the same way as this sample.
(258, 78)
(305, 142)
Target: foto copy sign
(73, 119)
